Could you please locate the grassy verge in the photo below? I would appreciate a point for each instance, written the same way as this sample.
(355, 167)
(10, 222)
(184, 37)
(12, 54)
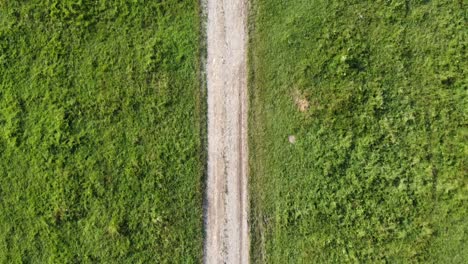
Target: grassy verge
(100, 150)
(375, 95)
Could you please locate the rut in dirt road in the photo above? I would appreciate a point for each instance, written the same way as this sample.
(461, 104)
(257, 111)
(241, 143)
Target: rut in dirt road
(226, 195)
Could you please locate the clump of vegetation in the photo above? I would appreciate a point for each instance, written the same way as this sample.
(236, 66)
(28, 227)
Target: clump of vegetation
(99, 132)
(378, 170)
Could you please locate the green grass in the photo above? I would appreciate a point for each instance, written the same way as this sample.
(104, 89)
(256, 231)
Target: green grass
(100, 150)
(378, 173)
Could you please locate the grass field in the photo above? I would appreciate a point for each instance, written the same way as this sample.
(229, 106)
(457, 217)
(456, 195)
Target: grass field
(100, 152)
(375, 93)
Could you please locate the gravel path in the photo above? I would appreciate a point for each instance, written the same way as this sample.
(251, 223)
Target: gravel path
(226, 206)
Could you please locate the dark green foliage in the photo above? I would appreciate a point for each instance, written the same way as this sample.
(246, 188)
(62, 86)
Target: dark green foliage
(99, 141)
(378, 173)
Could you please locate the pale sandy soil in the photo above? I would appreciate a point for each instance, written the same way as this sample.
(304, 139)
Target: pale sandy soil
(226, 201)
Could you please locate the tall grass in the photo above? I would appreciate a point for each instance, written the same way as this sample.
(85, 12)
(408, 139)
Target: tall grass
(375, 94)
(100, 153)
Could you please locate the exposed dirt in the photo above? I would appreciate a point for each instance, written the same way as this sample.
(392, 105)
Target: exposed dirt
(301, 101)
(226, 201)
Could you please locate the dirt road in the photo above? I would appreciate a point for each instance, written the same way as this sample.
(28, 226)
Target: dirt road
(226, 201)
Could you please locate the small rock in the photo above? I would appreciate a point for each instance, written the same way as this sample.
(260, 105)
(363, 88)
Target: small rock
(292, 139)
